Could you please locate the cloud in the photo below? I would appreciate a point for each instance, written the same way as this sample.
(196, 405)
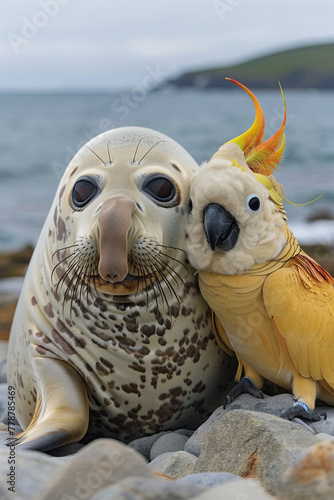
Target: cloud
(87, 43)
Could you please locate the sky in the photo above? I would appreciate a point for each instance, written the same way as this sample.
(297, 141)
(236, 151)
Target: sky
(108, 44)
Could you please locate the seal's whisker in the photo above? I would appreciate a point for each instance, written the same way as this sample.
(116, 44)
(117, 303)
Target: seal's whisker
(78, 286)
(73, 281)
(160, 288)
(152, 283)
(71, 286)
(82, 278)
(134, 156)
(91, 279)
(163, 276)
(94, 277)
(59, 263)
(160, 245)
(63, 249)
(170, 269)
(72, 265)
(150, 150)
(99, 157)
(68, 295)
(138, 281)
(108, 147)
(174, 259)
(142, 269)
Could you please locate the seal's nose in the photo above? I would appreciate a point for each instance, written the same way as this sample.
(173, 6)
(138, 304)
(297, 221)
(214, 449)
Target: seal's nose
(115, 221)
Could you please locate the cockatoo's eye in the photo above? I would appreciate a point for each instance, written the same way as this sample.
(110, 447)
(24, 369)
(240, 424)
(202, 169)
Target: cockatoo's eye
(160, 188)
(191, 204)
(83, 191)
(253, 203)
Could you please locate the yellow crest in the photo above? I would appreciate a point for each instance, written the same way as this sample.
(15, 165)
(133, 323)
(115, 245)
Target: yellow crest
(261, 157)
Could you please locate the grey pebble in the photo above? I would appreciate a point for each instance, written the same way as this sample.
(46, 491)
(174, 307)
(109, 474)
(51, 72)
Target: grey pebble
(3, 403)
(143, 445)
(208, 479)
(3, 371)
(67, 450)
(172, 441)
(31, 470)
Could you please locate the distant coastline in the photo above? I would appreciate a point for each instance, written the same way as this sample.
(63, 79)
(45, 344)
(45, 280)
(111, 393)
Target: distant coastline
(300, 68)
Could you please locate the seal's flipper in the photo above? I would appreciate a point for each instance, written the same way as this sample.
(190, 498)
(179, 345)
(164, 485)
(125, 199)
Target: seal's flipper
(61, 413)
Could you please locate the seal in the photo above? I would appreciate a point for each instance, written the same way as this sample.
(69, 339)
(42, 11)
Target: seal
(111, 336)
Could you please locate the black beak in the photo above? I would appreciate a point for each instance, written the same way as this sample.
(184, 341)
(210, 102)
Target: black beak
(220, 227)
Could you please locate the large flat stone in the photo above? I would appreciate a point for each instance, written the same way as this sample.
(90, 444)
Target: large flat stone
(253, 445)
(98, 465)
(30, 470)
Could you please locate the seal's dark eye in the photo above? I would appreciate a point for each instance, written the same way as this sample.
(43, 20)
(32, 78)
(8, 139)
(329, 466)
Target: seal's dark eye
(84, 190)
(160, 188)
(253, 203)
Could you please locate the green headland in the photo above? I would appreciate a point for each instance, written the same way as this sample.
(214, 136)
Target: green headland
(305, 67)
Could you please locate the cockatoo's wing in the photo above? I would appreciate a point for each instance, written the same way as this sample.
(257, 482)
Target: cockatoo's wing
(300, 299)
(220, 334)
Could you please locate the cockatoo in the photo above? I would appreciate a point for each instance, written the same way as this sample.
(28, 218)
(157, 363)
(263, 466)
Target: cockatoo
(273, 305)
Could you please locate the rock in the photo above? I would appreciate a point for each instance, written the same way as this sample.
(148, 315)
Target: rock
(143, 445)
(253, 445)
(3, 403)
(174, 464)
(312, 476)
(243, 489)
(99, 464)
(135, 488)
(3, 362)
(30, 469)
(9, 294)
(324, 213)
(326, 426)
(15, 263)
(67, 450)
(171, 441)
(273, 405)
(208, 479)
(323, 437)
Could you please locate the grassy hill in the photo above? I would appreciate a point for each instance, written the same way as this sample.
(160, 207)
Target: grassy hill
(306, 67)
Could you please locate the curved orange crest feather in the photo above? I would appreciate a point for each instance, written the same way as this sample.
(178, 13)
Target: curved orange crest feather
(266, 156)
(253, 136)
(263, 157)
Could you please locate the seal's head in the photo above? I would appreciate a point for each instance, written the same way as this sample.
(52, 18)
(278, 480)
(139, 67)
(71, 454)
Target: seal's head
(106, 221)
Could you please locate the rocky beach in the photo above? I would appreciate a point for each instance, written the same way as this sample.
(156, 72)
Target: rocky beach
(243, 452)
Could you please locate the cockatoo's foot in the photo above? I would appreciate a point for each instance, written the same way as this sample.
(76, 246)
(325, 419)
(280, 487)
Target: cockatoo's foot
(246, 385)
(301, 410)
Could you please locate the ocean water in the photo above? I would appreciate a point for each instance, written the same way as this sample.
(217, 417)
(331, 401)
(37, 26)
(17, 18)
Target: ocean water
(40, 133)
